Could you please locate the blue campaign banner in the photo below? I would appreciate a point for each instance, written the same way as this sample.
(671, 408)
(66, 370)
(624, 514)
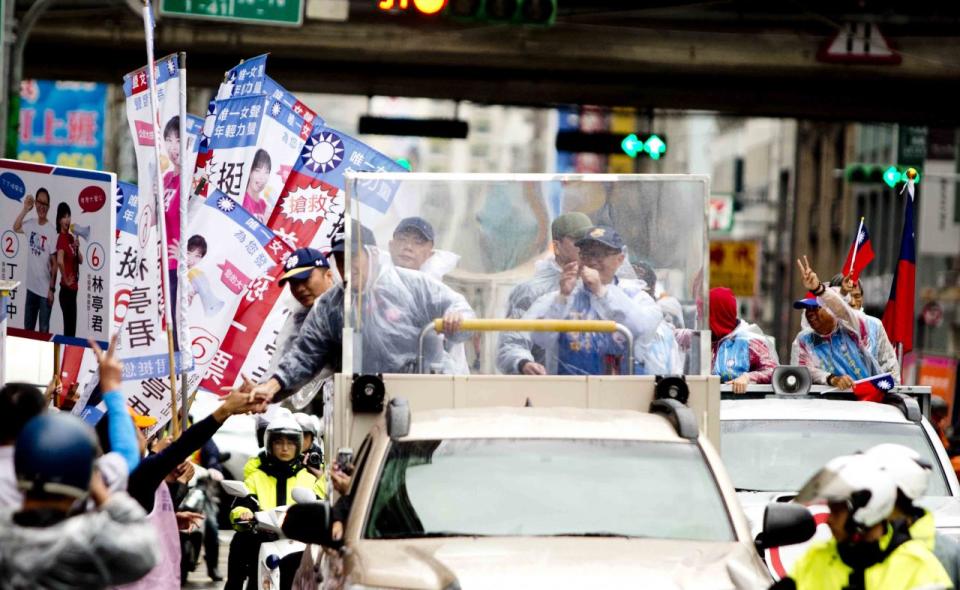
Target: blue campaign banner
(129, 206)
(62, 123)
(229, 208)
(237, 122)
(329, 153)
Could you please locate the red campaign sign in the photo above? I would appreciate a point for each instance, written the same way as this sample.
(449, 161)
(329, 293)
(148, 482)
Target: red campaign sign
(232, 277)
(92, 199)
(263, 294)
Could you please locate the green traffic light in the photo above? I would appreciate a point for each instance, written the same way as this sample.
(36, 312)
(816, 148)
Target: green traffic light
(655, 147)
(631, 145)
(405, 163)
(892, 176)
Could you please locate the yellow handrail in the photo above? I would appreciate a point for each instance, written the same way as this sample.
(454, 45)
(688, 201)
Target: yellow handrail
(521, 325)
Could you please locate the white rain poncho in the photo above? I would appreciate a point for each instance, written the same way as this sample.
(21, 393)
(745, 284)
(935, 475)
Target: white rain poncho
(107, 547)
(843, 352)
(395, 305)
(745, 350)
(586, 353)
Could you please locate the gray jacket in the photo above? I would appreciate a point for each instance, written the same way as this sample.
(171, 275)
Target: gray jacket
(111, 546)
(396, 305)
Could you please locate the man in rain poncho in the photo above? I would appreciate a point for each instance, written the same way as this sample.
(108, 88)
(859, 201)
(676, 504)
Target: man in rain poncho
(740, 354)
(514, 354)
(394, 305)
(592, 291)
(834, 342)
(879, 344)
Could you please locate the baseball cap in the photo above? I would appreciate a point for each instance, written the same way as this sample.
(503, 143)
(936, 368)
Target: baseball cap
(141, 421)
(601, 234)
(809, 302)
(572, 225)
(366, 237)
(418, 224)
(301, 263)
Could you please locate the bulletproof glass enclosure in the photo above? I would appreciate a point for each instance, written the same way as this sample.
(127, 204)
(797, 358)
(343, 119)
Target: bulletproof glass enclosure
(492, 256)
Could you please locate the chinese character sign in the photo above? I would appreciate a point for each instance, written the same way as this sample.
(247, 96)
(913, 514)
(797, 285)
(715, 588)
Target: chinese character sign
(57, 238)
(253, 143)
(249, 78)
(229, 250)
(62, 123)
(136, 88)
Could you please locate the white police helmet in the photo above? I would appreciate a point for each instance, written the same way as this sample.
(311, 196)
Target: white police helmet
(308, 424)
(283, 426)
(909, 471)
(858, 481)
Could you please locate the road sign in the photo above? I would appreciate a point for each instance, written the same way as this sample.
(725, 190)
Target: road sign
(261, 12)
(859, 43)
(912, 145)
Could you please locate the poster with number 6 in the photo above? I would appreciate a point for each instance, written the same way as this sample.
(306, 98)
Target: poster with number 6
(57, 238)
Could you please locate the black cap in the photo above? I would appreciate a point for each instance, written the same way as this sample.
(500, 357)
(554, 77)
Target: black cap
(418, 224)
(602, 234)
(301, 263)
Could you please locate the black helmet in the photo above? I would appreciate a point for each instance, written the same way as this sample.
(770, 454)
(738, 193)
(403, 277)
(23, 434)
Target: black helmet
(54, 454)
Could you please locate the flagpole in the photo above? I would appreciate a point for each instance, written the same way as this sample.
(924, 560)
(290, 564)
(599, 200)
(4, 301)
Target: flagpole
(856, 246)
(181, 319)
(160, 208)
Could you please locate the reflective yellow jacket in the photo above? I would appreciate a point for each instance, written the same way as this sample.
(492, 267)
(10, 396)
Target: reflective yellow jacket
(264, 486)
(910, 566)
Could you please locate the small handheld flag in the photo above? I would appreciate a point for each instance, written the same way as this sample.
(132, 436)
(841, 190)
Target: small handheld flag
(860, 254)
(873, 389)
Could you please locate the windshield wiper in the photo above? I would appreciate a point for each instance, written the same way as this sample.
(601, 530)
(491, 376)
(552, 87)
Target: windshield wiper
(752, 490)
(597, 534)
(427, 535)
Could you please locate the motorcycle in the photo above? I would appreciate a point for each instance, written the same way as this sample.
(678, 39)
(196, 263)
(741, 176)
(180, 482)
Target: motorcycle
(275, 546)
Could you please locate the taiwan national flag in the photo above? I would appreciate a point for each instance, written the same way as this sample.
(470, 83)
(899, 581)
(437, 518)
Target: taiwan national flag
(860, 254)
(898, 317)
(873, 389)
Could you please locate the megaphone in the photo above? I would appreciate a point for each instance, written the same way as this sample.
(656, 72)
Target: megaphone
(81, 231)
(791, 380)
(211, 304)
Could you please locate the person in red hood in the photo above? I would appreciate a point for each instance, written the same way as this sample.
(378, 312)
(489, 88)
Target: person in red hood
(740, 352)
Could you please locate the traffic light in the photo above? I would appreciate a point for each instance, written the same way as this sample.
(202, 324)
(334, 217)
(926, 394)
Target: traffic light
(650, 144)
(527, 12)
(891, 175)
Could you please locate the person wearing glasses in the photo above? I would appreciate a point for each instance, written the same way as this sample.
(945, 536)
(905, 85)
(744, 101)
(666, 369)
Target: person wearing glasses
(41, 266)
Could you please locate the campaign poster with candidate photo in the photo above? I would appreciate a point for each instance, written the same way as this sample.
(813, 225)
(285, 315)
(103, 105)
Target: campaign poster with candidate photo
(57, 238)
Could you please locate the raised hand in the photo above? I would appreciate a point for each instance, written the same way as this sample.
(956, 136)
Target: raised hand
(568, 277)
(28, 203)
(810, 279)
(111, 369)
(591, 280)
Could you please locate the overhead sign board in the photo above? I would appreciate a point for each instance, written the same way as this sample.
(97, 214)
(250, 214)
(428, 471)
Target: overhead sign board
(259, 12)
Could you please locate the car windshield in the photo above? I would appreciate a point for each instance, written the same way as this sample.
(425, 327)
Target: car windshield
(533, 487)
(780, 455)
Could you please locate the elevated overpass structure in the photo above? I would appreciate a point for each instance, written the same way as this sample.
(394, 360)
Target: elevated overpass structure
(741, 57)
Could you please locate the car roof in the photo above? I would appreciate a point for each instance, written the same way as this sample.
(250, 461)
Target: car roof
(772, 408)
(523, 422)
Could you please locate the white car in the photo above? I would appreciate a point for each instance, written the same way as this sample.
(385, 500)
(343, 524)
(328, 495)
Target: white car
(237, 436)
(771, 446)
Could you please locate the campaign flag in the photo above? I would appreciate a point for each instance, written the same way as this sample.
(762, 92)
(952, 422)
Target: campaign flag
(232, 251)
(898, 316)
(250, 78)
(251, 145)
(137, 318)
(309, 214)
(860, 254)
(873, 389)
(136, 88)
(49, 215)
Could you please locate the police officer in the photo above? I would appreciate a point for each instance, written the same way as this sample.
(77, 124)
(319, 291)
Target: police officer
(912, 475)
(270, 484)
(866, 551)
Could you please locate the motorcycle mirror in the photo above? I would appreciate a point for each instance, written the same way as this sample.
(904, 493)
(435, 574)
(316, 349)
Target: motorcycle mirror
(235, 488)
(303, 496)
(309, 523)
